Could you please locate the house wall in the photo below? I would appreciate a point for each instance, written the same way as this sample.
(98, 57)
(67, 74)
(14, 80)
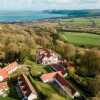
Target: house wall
(50, 60)
(49, 80)
(1, 78)
(32, 96)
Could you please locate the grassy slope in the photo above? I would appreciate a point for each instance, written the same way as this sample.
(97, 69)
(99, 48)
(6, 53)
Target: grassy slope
(19, 36)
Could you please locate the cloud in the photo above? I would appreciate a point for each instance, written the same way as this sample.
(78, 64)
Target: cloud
(48, 4)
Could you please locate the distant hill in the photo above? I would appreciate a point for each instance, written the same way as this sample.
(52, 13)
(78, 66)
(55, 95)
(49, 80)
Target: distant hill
(76, 13)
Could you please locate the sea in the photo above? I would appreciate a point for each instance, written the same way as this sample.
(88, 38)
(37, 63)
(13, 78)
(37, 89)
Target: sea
(26, 16)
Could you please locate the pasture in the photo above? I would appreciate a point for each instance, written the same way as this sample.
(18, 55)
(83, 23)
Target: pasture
(82, 38)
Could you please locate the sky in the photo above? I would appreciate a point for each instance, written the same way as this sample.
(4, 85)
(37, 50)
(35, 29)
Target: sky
(48, 4)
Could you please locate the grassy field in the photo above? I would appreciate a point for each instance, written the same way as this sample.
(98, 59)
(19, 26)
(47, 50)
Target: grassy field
(82, 21)
(82, 38)
(77, 21)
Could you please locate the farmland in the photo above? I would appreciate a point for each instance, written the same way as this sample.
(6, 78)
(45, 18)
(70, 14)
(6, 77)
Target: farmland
(82, 21)
(82, 38)
(20, 41)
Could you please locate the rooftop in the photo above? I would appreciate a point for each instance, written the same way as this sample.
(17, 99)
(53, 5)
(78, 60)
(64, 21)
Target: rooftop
(11, 66)
(49, 75)
(4, 72)
(57, 78)
(58, 67)
(65, 83)
(25, 86)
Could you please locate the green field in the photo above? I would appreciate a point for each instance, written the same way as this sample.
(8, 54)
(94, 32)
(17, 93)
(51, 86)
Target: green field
(85, 39)
(77, 21)
(82, 21)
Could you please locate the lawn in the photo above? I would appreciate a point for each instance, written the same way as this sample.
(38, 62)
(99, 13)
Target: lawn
(36, 69)
(85, 39)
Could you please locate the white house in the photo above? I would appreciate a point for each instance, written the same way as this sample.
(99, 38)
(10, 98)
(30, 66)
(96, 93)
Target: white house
(47, 57)
(50, 60)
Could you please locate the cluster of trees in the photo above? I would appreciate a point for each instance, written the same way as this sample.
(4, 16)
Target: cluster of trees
(24, 44)
(67, 50)
(94, 85)
(90, 62)
(17, 46)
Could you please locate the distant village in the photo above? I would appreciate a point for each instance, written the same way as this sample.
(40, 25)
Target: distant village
(57, 76)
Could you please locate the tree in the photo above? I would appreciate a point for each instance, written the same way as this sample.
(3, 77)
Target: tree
(94, 85)
(11, 52)
(70, 51)
(55, 37)
(2, 55)
(71, 70)
(59, 48)
(91, 61)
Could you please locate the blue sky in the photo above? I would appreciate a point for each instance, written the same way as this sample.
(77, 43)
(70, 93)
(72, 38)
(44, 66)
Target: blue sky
(48, 4)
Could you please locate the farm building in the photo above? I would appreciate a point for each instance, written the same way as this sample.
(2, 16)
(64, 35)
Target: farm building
(57, 79)
(46, 57)
(4, 72)
(25, 88)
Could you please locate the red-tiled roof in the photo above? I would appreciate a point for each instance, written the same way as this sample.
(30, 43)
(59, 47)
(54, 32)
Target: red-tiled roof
(48, 76)
(4, 74)
(59, 77)
(11, 66)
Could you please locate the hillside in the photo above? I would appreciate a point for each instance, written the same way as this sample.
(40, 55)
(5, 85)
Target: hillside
(76, 40)
(76, 13)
